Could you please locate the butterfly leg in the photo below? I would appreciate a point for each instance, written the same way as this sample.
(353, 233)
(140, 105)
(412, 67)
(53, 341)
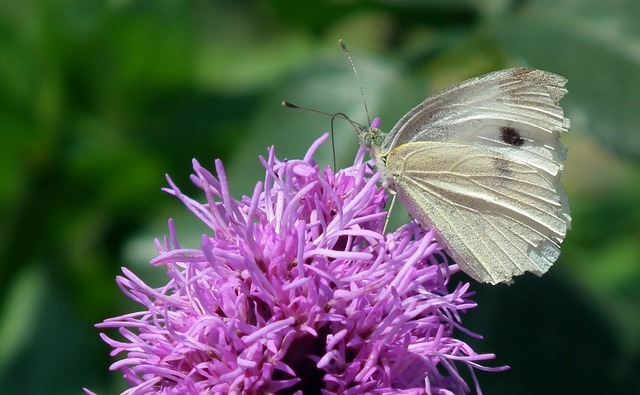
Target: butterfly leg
(393, 202)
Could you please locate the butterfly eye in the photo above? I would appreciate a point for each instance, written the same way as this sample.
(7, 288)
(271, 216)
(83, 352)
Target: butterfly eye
(366, 138)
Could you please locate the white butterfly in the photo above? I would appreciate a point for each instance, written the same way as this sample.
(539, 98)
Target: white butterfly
(481, 162)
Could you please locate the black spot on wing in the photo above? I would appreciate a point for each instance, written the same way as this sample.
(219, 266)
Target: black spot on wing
(511, 136)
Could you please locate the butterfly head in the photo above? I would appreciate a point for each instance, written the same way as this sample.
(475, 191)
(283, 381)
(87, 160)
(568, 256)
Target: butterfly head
(371, 137)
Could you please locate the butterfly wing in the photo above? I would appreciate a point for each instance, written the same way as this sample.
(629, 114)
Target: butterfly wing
(476, 112)
(496, 217)
(481, 161)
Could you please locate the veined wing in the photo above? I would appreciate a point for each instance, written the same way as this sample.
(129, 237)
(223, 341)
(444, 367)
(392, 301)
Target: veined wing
(496, 216)
(479, 110)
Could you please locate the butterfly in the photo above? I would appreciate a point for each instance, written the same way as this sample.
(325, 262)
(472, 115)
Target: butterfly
(480, 162)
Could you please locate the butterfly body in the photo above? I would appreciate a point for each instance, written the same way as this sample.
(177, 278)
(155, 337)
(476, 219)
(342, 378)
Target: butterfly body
(480, 162)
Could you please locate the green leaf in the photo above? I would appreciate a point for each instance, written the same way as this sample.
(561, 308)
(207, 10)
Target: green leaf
(325, 85)
(596, 45)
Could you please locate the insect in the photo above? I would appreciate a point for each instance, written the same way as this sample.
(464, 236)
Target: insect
(480, 162)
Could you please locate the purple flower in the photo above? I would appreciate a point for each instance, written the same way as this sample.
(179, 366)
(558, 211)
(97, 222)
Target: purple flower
(296, 290)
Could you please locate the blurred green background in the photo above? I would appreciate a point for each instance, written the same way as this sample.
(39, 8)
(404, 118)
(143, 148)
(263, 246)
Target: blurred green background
(99, 99)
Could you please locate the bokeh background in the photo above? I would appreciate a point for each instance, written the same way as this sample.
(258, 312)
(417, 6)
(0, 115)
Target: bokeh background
(99, 99)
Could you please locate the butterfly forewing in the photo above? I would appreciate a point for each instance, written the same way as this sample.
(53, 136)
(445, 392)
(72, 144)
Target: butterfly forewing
(512, 97)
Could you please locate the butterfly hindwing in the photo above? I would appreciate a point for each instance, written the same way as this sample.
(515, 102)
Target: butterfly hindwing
(495, 216)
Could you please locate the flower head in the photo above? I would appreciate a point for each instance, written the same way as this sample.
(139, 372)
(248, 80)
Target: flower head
(296, 290)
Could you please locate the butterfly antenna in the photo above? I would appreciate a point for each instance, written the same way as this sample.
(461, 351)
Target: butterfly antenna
(333, 143)
(286, 104)
(353, 124)
(355, 72)
(393, 203)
